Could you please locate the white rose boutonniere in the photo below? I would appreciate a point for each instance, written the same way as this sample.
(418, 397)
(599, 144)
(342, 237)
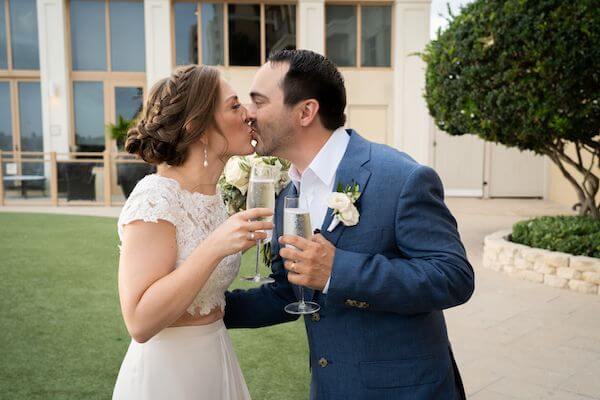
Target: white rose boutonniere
(342, 203)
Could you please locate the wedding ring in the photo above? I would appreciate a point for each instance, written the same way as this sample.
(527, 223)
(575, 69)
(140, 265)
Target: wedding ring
(252, 236)
(293, 267)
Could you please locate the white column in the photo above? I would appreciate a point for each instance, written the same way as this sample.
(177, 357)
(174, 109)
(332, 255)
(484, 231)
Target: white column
(311, 29)
(54, 74)
(412, 130)
(157, 25)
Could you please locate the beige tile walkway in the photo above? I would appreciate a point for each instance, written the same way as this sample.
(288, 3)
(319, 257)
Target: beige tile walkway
(517, 339)
(513, 339)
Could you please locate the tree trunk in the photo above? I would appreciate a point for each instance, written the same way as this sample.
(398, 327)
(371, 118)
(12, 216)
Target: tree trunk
(587, 189)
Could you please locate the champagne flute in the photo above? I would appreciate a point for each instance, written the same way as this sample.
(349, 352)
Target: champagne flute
(296, 221)
(261, 194)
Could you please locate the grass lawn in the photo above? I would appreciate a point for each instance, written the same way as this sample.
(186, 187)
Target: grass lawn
(62, 333)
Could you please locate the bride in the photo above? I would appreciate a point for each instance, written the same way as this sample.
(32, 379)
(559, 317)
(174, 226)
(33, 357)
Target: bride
(179, 251)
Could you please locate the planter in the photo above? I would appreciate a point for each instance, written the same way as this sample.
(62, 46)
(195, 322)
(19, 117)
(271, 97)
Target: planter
(552, 268)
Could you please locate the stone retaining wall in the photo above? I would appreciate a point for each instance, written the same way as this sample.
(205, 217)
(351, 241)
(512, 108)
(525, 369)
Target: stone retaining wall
(561, 270)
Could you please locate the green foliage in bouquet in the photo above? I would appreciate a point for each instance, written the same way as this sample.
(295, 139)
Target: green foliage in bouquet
(234, 185)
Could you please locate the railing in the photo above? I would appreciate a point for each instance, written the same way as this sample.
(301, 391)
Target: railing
(73, 178)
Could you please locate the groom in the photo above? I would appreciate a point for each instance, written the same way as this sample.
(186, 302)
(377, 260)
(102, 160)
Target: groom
(381, 283)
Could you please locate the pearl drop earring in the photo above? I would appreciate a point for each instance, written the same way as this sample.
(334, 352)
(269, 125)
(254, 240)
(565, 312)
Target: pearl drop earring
(205, 157)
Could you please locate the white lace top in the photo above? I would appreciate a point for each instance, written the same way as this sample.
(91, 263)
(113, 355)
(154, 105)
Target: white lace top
(194, 216)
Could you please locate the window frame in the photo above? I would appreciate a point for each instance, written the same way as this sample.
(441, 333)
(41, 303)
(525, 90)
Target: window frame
(13, 77)
(109, 78)
(225, 3)
(359, 5)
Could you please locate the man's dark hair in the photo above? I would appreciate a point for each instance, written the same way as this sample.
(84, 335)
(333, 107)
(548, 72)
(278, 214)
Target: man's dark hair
(312, 76)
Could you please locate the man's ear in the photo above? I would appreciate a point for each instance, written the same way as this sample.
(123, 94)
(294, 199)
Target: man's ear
(309, 109)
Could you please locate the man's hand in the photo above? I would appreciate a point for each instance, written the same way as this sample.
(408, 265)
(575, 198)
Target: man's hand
(310, 261)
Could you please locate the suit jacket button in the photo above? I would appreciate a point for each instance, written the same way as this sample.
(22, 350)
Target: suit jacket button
(316, 317)
(323, 362)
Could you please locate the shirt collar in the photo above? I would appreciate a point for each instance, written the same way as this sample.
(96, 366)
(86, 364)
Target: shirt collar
(327, 160)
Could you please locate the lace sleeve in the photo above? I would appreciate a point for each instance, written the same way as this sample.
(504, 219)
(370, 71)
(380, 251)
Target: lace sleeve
(148, 204)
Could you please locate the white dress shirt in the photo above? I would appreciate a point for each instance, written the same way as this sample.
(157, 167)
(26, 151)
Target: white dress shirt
(316, 183)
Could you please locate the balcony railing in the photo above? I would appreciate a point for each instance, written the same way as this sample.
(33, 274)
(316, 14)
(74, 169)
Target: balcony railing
(74, 178)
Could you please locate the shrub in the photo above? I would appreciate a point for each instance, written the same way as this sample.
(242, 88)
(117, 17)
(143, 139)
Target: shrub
(524, 73)
(577, 235)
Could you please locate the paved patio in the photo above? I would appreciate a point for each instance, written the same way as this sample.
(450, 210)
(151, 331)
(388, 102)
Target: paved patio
(514, 339)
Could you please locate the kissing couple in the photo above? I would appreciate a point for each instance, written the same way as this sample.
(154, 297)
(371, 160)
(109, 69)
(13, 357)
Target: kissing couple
(382, 266)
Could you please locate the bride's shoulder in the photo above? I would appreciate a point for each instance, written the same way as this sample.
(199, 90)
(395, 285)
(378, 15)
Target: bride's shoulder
(153, 182)
(154, 197)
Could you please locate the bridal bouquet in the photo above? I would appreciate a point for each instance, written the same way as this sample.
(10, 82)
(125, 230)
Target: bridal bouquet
(234, 181)
(234, 185)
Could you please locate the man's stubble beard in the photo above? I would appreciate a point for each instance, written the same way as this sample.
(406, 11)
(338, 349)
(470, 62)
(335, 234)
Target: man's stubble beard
(277, 141)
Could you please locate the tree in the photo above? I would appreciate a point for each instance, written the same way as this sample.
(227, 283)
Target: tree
(526, 74)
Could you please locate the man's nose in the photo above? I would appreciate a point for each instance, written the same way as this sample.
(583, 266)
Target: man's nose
(251, 108)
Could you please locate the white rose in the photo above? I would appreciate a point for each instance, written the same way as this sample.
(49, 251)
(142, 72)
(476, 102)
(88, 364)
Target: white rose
(234, 175)
(339, 201)
(349, 217)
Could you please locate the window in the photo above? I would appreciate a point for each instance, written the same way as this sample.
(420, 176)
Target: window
(3, 50)
(127, 21)
(20, 96)
(244, 34)
(24, 34)
(341, 35)
(212, 34)
(232, 34)
(280, 25)
(186, 33)
(6, 136)
(88, 35)
(30, 116)
(108, 60)
(128, 101)
(359, 36)
(376, 36)
(88, 100)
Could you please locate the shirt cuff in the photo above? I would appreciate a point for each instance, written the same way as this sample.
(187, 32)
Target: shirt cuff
(326, 288)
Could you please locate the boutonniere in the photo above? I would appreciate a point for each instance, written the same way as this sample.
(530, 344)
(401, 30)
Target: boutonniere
(342, 203)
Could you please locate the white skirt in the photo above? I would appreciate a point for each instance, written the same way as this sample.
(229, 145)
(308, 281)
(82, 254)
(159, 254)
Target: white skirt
(181, 363)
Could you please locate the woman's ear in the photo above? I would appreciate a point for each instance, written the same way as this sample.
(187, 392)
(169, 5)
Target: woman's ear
(308, 112)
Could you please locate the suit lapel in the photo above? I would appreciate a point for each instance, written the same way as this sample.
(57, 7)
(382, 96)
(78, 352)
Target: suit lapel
(350, 170)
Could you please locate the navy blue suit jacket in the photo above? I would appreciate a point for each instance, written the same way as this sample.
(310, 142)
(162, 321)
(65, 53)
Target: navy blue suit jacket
(381, 332)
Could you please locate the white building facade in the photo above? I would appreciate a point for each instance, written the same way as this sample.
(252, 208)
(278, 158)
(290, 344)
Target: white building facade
(70, 67)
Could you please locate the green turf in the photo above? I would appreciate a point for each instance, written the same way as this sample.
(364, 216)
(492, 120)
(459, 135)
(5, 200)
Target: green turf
(62, 336)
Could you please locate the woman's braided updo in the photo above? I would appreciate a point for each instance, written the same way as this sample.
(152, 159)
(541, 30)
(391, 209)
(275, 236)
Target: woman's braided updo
(177, 112)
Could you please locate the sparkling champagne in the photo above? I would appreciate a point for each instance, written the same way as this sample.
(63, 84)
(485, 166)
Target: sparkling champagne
(261, 194)
(296, 221)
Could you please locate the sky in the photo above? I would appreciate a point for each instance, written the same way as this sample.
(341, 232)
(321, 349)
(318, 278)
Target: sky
(439, 11)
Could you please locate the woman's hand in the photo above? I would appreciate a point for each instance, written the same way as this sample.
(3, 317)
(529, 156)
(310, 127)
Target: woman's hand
(240, 231)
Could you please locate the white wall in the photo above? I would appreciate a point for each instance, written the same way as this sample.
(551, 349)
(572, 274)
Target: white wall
(159, 55)
(411, 118)
(54, 75)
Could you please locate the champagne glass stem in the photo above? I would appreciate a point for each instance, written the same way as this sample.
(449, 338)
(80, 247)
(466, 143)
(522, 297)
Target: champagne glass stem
(257, 258)
(301, 297)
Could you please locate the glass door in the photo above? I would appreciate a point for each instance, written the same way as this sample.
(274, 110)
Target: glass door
(127, 101)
